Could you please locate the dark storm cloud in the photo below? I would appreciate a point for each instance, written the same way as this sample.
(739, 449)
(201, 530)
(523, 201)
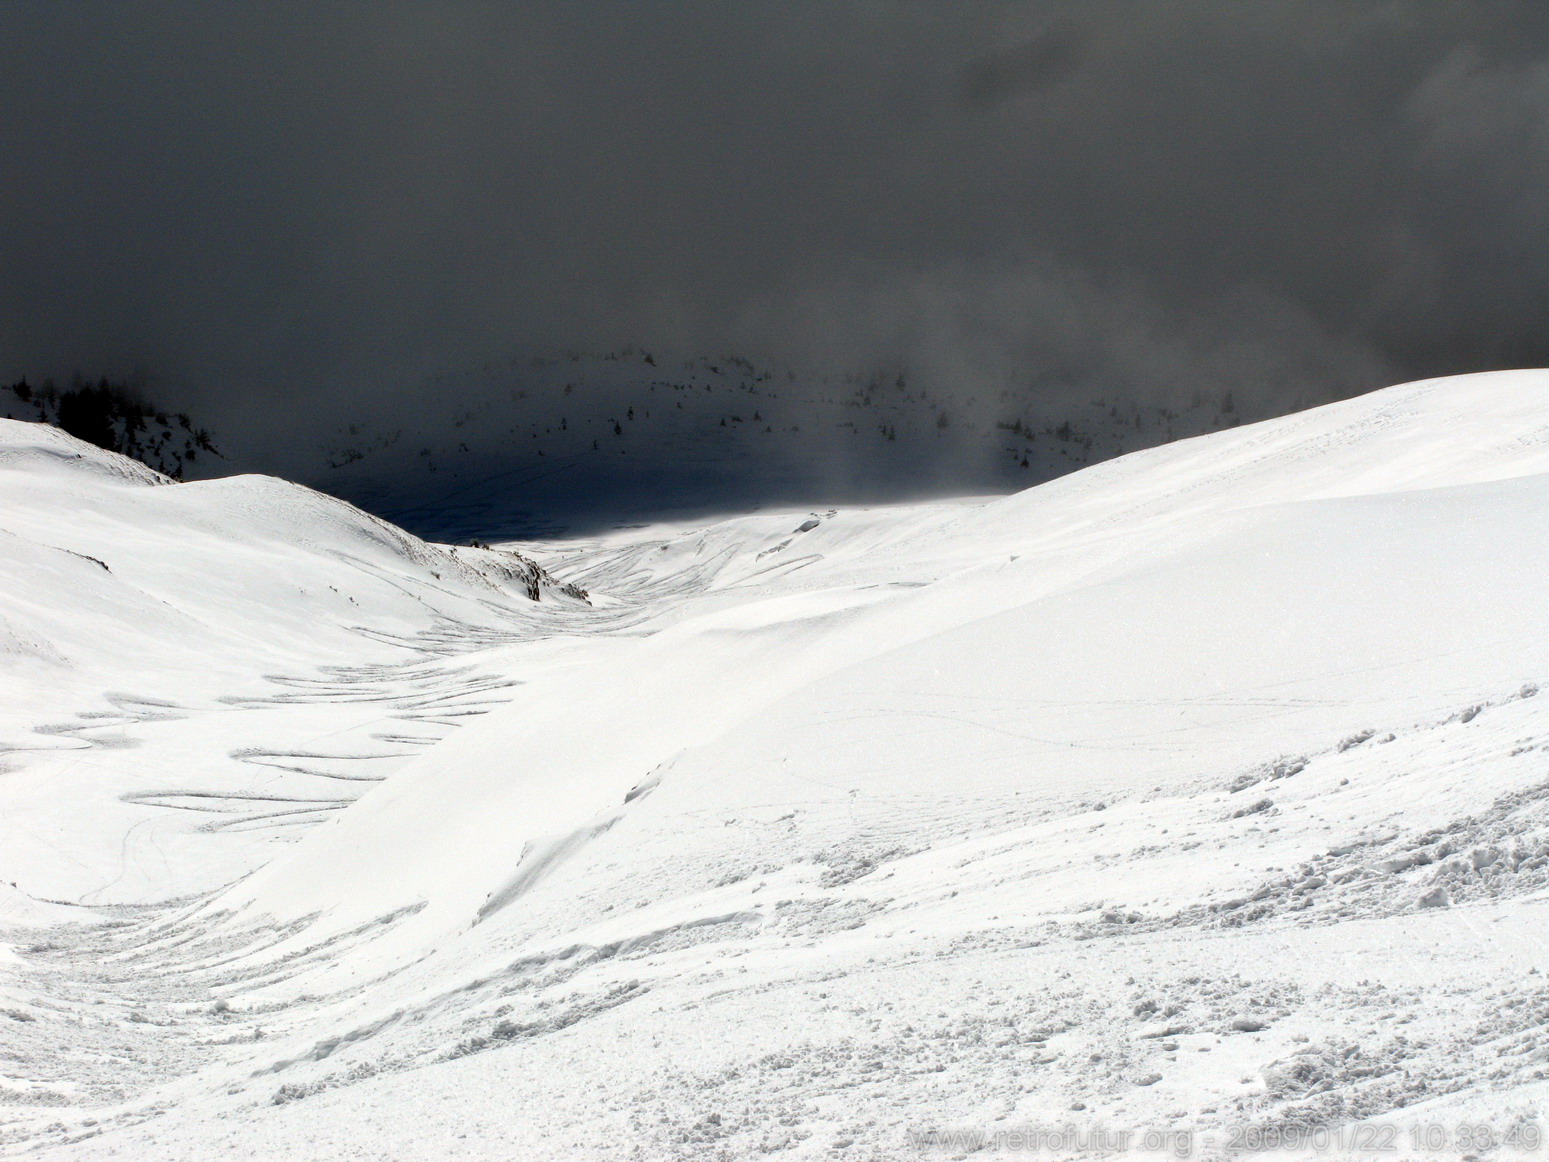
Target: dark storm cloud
(998, 76)
(273, 203)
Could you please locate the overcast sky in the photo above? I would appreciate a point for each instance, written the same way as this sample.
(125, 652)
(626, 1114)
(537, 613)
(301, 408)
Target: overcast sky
(264, 202)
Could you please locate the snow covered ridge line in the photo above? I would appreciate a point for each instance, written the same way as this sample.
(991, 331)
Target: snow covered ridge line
(39, 446)
(30, 446)
(1200, 793)
(112, 417)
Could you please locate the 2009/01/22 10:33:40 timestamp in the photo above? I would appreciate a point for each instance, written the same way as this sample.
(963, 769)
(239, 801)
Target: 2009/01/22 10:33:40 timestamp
(1382, 1137)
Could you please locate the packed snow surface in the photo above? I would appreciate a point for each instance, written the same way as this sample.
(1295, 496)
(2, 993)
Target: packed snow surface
(1199, 794)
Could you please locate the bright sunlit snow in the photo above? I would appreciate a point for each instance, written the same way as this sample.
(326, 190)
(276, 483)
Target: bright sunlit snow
(1201, 792)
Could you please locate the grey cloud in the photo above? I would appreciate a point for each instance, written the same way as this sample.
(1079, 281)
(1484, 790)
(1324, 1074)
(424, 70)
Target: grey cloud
(1024, 68)
(278, 204)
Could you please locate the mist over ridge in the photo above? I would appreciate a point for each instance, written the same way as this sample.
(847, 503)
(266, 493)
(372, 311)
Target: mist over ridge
(289, 213)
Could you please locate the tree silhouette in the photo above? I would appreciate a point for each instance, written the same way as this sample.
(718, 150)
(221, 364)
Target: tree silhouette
(93, 414)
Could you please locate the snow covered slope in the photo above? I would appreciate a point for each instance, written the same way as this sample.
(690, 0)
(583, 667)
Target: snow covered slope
(160, 647)
(1199, 792)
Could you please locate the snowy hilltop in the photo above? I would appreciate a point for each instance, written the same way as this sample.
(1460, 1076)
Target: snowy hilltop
(112, 416)
(1190, 804)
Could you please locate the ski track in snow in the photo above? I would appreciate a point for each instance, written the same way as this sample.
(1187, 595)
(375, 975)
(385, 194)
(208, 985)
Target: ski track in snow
(1109, 806)
(1092, 1004)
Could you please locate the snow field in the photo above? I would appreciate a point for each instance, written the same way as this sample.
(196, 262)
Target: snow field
(1200, 791)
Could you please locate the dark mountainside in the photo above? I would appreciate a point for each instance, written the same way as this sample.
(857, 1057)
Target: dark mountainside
(545, 446)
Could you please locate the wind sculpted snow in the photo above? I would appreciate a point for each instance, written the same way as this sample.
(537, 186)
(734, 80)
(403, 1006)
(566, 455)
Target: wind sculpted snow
(1199, 792)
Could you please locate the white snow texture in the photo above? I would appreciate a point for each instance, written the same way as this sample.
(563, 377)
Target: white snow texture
(1202, 793)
